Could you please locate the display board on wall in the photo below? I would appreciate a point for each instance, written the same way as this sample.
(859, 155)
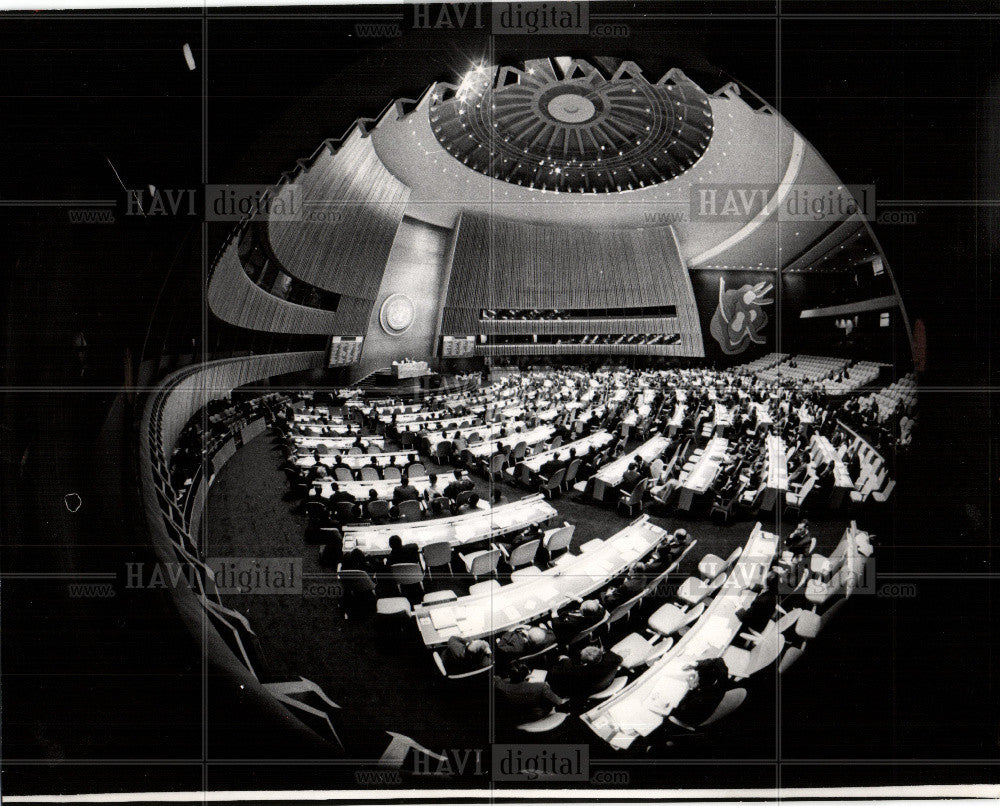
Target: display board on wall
(344, 350)
(458, 346)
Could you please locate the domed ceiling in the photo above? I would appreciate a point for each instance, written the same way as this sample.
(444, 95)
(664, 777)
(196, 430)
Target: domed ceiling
(562, 125)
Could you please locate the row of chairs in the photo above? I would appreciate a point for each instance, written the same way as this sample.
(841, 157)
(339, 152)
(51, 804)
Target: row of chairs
(376, 473)
(484, 563)
(381, 510)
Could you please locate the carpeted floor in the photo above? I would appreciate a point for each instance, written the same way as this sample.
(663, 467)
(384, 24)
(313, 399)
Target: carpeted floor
(388, 681)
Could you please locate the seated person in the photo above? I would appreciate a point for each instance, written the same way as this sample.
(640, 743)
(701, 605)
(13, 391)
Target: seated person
(459, 485)
(656, 468)
(592, 671)
(762, 609)
(331, 553)
(530, 699)
(512, 541)
(707, 684)
(317, 471)
(434, 489)
(523, 640)
(630, 478)
(676, 545)
(728, 490)
(551, 467)
(628, 588)
(472, 503)
(411, 459)
(372, 496)
(460, 656)
(662, 492)
(337, 495)
(405, 491)
(854, 465)
(398, 553)
(356, 561)
(570, 623)
(798, 470)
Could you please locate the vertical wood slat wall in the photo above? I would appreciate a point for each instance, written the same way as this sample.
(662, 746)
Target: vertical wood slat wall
(351, 207)
(236, 299)
(502, 263)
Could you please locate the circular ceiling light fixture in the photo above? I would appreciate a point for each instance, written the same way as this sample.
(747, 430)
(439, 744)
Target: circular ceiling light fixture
(564, 125)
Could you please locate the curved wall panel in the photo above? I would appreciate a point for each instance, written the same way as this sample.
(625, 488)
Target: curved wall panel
(348, 208)
(236, 299)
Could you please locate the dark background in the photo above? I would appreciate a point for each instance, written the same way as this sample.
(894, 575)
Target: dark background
(901, 96)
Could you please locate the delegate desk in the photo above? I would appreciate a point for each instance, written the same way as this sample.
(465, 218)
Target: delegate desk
(777, 473)
(483, 523)
(487, 432)
(301, 418)
(524, 601)
(641, 707)
(410, 369)
(357, 460)
(409, 416)
(336, 443)
(540, 433)
(610, 476)
(822, 448)
(445, 423)
(321, 430)
(360, 489)
(703, 474)
(677, 418)
(582, 447)
(723, 418)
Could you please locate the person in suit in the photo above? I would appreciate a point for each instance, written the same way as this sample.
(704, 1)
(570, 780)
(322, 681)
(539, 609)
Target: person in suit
(676, 545)
(530, 700)
(707, 685)
(762, 609)
(854, 465)
(434, 489)
(592, 671)
(459, 485)
(405, 491)
(629, 587)
(356, 560)
(630, 479)
(570, 623)
(460, 656)
(523, 640)
(398, 553)
(331, 553)
(372, 496)
(550, 467)
(512, 541)
(337, 495)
